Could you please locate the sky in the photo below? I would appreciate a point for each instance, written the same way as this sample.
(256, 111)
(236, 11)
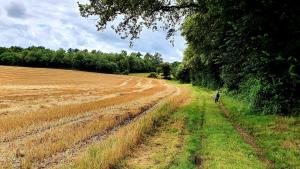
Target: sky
(57, 24)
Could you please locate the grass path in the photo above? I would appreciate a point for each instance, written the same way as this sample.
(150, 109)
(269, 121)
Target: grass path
(250, 140)
(222, 146)
(207, 139)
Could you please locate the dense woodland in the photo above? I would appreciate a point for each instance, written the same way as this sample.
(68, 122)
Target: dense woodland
(95, 61)
(249, 48)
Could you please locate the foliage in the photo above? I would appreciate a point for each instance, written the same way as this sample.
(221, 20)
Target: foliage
(229, 42)
(174, 67)
(152, 62)
(153, 75)
(95, 61)
(125, 72)
(250, 48)
(183, 74)
(166, 70)
(137, 14)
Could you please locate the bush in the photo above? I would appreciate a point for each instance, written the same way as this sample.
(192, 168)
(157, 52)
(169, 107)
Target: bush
(166, 70)
(152, 75)
(183, 74)
(249, 91)
(125, 72)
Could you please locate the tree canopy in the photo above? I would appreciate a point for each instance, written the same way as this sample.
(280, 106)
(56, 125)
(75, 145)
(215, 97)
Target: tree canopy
(132, 16)
(248, 47)
(95, 61)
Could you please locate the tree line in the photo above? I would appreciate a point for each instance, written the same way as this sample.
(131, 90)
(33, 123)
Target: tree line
(95, 61)
(249, 48)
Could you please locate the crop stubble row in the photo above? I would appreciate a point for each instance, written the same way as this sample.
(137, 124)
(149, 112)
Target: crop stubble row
(95, 103)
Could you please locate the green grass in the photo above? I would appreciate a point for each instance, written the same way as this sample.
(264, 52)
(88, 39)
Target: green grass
(143, 75)
(193, 118)
(278, 136)
(139, 74)
(209, 136)
(216, 142)
(222, 146)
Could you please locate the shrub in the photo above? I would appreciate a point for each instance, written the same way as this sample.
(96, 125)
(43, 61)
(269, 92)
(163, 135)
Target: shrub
(152, 75)
(183, 74)
(166, 70)
(125, 72)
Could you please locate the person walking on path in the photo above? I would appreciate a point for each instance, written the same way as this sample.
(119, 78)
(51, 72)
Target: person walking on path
(217, 97)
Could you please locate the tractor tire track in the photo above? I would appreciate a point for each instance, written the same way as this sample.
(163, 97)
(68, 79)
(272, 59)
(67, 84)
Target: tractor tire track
(67, 156)
(250, 140)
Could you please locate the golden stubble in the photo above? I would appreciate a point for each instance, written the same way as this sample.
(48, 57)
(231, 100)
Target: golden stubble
(47, 112)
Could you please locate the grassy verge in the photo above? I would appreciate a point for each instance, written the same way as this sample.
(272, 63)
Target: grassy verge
(119, 144)
(278, 136)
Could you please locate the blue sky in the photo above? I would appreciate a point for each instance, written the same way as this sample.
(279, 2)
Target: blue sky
(58, 24)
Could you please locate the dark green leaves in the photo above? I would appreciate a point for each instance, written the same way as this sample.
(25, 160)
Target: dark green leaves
(236, 43)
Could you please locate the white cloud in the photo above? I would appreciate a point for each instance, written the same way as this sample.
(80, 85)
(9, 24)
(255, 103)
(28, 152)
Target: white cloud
(179, 53)
(58, 24)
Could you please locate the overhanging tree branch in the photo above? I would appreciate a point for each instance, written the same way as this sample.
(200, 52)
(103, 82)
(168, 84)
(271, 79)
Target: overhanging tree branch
(136, 14)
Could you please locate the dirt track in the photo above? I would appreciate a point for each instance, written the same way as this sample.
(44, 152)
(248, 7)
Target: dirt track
(49, 115)
(247, 138)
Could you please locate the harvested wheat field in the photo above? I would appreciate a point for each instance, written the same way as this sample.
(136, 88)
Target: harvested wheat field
(49, 118)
